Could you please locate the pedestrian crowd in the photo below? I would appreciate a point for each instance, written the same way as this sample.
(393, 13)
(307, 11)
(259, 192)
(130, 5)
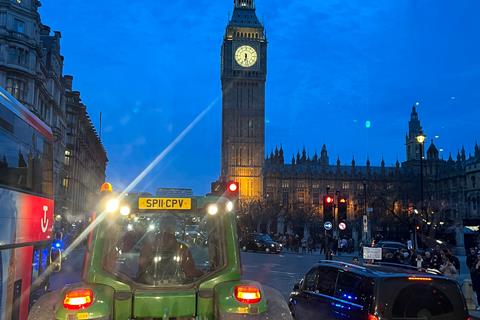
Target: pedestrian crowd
(437, 258)
(310, 244)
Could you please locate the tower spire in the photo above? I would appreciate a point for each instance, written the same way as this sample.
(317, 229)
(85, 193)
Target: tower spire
(245, 4)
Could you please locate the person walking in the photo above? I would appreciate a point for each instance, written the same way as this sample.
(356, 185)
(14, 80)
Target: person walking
(448, 269)
(476, 280)
(304, 245)
(419, 261)
(471, 258)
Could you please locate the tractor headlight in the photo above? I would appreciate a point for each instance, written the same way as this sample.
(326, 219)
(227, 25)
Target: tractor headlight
(112, 205)
(212, 209)
(125, 210)
(229, 206)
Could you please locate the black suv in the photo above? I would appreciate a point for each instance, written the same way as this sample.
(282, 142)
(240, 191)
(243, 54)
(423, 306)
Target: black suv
(338, 290)
(260, 242)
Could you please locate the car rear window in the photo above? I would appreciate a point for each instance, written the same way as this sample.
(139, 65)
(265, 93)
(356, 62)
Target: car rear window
(354, 288)
(435, 299)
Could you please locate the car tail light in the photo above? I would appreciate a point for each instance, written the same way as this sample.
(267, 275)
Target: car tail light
(248, 294)
(78, 299)
(372, 317)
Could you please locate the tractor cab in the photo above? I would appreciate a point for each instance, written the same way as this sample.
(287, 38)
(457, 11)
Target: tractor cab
(163, 258)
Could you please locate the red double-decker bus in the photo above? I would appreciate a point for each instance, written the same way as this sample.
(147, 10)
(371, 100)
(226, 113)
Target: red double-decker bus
(26, 206)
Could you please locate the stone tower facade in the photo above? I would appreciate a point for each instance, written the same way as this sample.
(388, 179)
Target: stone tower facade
(243, 75)
(414, 129)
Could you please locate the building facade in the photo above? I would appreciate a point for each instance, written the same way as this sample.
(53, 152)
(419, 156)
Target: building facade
(243, 75)
(31, 69)
(450, 187)
(446, 192)
(85, 158)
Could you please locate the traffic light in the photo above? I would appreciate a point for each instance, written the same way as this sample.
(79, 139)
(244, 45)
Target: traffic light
(328, 209)
(342, 209)
(228, 189)
(342, 213)
(232, 190)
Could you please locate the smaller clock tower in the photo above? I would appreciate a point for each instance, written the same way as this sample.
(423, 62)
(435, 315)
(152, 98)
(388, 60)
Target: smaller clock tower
(243, 74)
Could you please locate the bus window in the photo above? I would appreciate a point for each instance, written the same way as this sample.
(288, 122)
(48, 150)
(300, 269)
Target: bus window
(25, 156)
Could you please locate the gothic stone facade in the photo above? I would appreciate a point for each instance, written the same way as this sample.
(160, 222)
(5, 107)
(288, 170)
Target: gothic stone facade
(243, 75)
(451, 190)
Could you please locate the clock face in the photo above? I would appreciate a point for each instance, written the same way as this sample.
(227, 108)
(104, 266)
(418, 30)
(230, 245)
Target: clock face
(246, 56)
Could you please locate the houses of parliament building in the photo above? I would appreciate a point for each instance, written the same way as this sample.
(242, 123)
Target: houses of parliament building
(451, 188)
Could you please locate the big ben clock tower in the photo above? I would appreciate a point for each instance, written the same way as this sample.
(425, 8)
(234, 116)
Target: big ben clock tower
(243, 72)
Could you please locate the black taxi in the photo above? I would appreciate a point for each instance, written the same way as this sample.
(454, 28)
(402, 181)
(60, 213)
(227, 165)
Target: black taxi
(338, 290)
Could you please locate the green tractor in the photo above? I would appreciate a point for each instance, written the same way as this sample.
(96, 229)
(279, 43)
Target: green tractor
(163, 258)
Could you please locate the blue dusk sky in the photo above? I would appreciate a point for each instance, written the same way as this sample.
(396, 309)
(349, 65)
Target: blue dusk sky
(151, 66)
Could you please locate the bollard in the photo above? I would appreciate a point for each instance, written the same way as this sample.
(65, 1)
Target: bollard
(469, 294)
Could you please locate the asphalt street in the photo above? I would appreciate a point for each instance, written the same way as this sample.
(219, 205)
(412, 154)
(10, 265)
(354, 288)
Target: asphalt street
(280, 271)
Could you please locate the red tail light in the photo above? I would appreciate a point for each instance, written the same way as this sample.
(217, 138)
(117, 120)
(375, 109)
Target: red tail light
(78, 299)
(248, 294)
(372, 317)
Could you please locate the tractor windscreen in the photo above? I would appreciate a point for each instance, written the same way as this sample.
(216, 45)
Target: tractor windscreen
(164, 248)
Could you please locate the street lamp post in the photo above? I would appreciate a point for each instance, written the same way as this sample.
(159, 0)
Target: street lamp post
(420, 139)
(365, 210)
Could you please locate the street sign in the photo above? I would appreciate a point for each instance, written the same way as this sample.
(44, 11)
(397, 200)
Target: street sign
(372, 253)
(370, 210)
(328, 225)
(409, 244)
(342, 226)
(365, 224)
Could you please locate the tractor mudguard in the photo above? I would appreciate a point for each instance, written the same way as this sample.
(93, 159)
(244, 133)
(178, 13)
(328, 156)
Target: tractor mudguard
(272, 305)
(44, 308)
(50, 306)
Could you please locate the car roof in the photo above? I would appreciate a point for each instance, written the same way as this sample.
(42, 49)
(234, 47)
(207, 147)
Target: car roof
(381, 270)
(391, 242)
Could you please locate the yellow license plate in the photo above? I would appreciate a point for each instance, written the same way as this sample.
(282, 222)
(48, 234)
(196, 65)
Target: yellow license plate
(164, 203)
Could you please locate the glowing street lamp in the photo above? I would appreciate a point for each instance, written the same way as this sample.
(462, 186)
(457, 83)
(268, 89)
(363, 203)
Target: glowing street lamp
(421, 140)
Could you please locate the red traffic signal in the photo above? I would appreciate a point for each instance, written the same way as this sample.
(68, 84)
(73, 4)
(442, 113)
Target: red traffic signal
(232, 186)
(232, 190)
(328, 199)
